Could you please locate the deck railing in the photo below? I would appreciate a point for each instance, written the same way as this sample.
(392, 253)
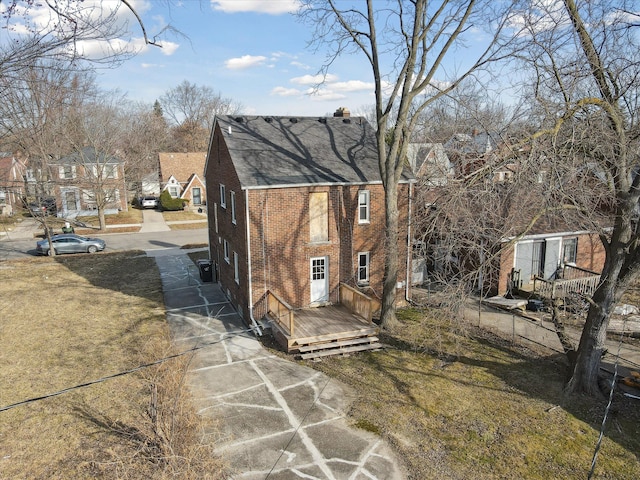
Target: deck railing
(281, 312)
(559, 288)
(357, 302)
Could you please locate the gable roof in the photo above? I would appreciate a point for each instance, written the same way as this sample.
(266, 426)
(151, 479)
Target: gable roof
(288, 151)
(193, 181)
(181, 165)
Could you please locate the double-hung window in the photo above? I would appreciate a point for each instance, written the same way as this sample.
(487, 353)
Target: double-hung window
(236, 268)
(363, 206)
(363, 268)
(233, 207)
(226, 250)
(569, 250)
(223, 196)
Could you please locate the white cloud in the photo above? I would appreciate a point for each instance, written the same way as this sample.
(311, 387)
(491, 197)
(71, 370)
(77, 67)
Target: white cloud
(151, 65)
(286, 92)
(314, 79)
(168, 48)
(353, 86)
(300, 65)
(324, 95)
(271, 7)
(246, 61)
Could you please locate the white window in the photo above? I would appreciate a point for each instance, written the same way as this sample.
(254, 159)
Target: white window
(233, 206)
(173, 191)
(68, 172)
(226, 250)
(363, 268)
(363, 206)
(223, 196)
(236, 269)
(111, 171)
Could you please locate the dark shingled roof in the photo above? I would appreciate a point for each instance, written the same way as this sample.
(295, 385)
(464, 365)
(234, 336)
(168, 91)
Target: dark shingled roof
(87, 156)
(283, 151)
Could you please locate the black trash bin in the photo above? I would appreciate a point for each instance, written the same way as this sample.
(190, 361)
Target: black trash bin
(206, 271)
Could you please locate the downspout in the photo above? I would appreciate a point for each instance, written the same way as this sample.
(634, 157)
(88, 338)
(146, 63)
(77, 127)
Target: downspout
(254, 324)
(409, 250)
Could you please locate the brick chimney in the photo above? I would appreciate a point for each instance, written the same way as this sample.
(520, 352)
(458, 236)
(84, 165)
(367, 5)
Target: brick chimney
(342, 112)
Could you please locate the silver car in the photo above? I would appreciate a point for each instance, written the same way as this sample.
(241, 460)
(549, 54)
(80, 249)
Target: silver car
(70, 243)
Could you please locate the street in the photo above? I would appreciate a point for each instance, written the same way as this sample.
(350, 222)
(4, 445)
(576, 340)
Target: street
(21, 248)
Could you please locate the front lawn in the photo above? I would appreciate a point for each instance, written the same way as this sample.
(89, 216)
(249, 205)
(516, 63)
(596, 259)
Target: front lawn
(68, 321)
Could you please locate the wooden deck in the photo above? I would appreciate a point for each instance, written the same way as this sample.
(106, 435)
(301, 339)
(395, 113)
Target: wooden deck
(327, 330)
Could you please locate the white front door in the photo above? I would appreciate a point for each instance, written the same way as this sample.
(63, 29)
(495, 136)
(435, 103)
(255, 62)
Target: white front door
(319, 280)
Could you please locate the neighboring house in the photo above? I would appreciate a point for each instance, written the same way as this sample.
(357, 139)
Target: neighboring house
(296, 208)
(150, 185)
(544, 256)
(470, 152)
(87, 180)
(430, 163)
(181, 175)
(12, 184)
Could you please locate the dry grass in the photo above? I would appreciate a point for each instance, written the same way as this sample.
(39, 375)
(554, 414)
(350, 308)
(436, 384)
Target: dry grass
(69, 320)
(181, 215)
(457, 403)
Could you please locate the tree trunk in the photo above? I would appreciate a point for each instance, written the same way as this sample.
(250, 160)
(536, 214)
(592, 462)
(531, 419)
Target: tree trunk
(388, 315)
(584, 377)
(101, 219)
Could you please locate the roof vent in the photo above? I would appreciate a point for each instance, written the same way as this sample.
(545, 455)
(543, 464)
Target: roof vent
(230, 132)
(322, 120)
(239, 119)
(293, 120)
(268, 119)
(346, 120)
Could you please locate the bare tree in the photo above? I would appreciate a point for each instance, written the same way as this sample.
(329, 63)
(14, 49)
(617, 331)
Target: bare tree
(586, 61)
(191, 109)
(36, 113)
(65, 31)
(146, 133)
(406, 44)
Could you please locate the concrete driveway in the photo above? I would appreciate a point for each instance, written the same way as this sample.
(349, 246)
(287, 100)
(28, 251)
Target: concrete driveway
(276, 418)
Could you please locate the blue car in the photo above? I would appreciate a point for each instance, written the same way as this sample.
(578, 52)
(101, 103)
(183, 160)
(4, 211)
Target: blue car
(70, 243)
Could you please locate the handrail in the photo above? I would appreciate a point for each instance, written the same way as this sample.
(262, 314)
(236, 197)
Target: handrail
(551, 288)
(281, 312)
(357, 302)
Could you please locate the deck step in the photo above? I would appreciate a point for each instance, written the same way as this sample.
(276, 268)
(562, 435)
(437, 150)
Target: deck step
(342, 343)
(337, 336)
(340, 351)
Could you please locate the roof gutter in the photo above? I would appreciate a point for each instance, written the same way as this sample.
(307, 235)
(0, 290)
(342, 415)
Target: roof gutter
(254, 323)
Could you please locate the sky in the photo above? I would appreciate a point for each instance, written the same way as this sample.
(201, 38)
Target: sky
(255, 52)
(252, 51)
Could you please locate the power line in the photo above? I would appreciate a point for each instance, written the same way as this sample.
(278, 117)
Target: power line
(125, 372)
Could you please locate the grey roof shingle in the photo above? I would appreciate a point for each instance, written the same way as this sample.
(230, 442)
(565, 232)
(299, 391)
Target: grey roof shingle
(287, 151)
(88, 155)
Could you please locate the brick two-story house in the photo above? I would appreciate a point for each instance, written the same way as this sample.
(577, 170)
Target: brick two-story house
(89, 180)
(296, 207)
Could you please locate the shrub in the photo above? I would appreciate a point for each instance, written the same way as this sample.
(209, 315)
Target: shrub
(169, 203)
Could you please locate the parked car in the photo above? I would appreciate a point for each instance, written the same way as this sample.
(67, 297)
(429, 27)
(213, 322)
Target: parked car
(46, 206)
(70, 243)
(149, 202)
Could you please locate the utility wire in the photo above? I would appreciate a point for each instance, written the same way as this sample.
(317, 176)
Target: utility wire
(293, 435)
(606, 411)
(125, 372)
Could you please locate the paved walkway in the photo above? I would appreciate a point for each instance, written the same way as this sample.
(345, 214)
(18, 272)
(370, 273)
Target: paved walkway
(276, 418)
